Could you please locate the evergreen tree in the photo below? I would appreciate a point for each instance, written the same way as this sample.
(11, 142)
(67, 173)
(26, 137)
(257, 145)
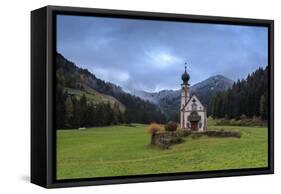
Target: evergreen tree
(263, 108)
(90, 115)
(246, 97)
(68, 112)
(60, 107)
(83, 111)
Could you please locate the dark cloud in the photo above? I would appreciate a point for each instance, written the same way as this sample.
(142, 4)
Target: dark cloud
(150, 55)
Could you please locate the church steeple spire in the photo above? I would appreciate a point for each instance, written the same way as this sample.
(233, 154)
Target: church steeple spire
(184, 96)
(185, 76)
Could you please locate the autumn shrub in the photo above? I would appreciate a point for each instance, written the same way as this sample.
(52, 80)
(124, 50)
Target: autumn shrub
(171, 126)
(153, 128)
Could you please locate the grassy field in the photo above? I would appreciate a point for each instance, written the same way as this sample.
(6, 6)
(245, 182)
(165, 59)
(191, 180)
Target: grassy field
(122, 150)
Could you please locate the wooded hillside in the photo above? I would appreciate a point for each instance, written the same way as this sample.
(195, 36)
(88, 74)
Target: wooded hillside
(80, 109)
(247, 97)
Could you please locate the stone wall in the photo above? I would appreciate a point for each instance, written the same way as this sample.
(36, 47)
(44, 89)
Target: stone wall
(223, 134)
(166, 139)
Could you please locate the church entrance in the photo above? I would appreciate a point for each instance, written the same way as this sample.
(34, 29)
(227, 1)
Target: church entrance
(194, 125)
(194, 119)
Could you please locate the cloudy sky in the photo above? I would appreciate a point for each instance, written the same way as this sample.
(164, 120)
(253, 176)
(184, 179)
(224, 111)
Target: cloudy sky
(150, 55)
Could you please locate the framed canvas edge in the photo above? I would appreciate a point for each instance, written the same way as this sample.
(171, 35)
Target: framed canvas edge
(50, 147)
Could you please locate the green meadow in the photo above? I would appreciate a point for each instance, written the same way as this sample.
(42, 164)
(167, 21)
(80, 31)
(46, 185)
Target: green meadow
(125, 150)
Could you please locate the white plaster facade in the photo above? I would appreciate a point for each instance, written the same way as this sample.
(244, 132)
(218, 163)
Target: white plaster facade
(193, 115)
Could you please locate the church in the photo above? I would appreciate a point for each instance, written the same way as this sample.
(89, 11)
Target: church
(193, 115)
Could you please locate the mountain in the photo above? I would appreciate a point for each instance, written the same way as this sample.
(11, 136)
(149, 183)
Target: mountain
(80, 82)
(156, 97)
(169, 100)
(208, 88)
(213, 84)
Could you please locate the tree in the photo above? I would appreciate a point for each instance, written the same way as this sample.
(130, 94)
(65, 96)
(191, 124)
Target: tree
(117, 115)
(60, 107)
(68, 112)
(263, 107)
(247, 96)
(83, 111)
(90, 115)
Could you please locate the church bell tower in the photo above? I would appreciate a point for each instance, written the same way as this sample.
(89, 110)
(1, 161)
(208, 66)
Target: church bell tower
(184, 96)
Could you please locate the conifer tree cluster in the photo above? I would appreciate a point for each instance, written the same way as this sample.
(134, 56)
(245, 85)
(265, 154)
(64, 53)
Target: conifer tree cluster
(72, 113)
(247, 97)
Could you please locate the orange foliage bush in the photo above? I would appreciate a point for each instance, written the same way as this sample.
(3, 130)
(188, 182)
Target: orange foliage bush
(153, 128)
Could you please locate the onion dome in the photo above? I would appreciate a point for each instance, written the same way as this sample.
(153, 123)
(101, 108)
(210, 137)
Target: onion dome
(185, 76)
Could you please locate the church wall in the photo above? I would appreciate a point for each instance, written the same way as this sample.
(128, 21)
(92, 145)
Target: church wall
(202, 114)
(187, 124)
(181, 120)
(199, 107)
(184, 95)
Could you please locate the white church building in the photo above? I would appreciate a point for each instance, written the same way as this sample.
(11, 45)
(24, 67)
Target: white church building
(193, 115)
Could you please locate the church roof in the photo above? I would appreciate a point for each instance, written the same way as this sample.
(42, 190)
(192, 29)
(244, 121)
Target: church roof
(185, 76)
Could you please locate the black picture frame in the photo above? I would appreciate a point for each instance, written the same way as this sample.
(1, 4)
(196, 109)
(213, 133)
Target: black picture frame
(43, 137)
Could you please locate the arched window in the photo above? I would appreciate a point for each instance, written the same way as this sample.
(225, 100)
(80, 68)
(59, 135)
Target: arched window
(194, 105)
